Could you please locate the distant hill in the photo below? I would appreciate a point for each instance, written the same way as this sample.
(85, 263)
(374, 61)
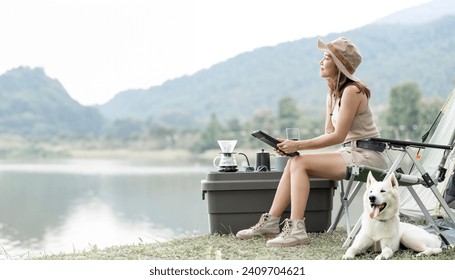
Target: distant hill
(32, 104)
(393, 54)
(394, 51)
(423, 13)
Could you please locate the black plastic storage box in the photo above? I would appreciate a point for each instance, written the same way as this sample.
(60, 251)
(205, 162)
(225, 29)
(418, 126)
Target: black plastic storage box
(236, 200)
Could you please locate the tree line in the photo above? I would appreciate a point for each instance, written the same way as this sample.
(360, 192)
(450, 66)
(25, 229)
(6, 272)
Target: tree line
(407, 116)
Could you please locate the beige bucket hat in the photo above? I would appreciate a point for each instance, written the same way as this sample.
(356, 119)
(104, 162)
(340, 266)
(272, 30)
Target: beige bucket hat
(346, 55)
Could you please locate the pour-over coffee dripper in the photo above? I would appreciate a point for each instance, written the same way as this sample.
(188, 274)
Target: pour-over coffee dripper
(227, 146)
(227, 161)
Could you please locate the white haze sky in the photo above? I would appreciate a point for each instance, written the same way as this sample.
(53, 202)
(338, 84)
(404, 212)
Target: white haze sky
(97, 48)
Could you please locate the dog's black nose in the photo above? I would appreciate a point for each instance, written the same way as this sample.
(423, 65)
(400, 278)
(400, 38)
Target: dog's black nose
(372, 198)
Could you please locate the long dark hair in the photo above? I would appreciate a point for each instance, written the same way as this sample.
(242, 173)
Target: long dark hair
(342, 83)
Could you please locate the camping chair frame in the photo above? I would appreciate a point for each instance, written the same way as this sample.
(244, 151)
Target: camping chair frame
(359, 173)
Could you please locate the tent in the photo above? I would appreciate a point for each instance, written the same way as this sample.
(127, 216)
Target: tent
(438, 163)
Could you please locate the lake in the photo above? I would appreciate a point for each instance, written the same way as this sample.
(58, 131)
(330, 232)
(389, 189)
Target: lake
(57, 206)
(53, 206)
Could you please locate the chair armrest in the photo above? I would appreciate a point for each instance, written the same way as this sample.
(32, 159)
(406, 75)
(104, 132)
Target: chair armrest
(403, 143)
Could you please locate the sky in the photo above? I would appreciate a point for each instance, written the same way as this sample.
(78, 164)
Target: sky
(98, 48)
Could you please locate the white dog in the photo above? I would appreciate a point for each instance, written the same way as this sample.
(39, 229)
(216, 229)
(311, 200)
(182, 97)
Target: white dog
(381, 224)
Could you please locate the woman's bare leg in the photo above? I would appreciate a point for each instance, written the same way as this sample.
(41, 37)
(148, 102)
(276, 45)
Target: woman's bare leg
(283, 192)
(294, 186)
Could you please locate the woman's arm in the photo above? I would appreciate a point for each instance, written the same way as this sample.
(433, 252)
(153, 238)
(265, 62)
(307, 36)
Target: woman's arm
(350, 103)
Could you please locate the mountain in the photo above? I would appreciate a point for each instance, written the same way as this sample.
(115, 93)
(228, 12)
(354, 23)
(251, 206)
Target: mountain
(252, 81)
(35, 105)
(395, 50)
(423, 13)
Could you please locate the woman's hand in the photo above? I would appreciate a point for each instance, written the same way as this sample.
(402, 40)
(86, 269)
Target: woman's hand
(287, 146)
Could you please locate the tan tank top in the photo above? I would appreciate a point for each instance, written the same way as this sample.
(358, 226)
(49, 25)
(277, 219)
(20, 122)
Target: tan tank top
(363, 125)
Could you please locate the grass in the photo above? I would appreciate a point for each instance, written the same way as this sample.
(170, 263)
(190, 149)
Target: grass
(323, 246)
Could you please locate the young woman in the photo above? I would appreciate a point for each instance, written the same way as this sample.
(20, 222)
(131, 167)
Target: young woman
(349, 122)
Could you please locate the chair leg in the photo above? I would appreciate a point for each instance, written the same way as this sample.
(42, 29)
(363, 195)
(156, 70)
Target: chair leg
(353, 233)
(337, 219)
(346, 198)
(443, 203)
(340, 211)
(422, 208)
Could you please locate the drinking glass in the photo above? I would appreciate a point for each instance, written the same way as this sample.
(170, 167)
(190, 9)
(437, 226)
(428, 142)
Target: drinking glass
(293, 133)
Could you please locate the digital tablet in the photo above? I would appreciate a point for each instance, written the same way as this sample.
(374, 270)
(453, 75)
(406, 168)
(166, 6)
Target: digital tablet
(271, 141)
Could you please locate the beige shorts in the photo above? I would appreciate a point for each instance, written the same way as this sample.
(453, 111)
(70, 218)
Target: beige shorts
(359, 156)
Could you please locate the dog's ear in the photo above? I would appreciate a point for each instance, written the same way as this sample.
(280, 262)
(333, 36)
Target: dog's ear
(370, 179)
(393, 180)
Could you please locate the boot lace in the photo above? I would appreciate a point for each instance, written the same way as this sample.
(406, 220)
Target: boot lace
(287, 228)
(261, 222)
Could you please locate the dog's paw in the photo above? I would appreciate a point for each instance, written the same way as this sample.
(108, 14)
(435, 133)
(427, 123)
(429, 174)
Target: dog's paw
(383, 257)
(350, 253)
(347, 257)
(386, 253)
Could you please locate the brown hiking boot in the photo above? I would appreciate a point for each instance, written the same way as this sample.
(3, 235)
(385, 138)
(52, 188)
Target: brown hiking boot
(293, 234)
(267, 226)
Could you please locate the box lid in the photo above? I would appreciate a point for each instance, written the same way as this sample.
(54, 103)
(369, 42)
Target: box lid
(222, 181)
(241, 175)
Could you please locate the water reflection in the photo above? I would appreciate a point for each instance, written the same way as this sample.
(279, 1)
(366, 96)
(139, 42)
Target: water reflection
(62, 206)
(105, 229)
